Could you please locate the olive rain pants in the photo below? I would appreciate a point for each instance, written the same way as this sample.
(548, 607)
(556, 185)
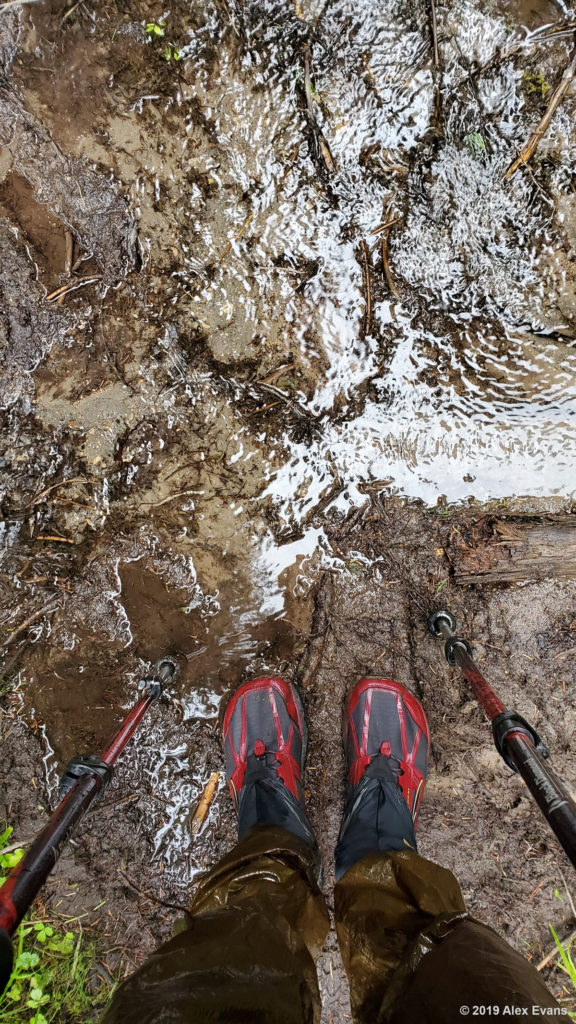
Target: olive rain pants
(258, 921)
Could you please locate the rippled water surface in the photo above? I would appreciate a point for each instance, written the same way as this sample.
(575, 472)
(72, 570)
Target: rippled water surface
(462, 383)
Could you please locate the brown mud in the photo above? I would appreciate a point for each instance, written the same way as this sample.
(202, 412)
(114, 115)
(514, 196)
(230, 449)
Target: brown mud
(299, 363)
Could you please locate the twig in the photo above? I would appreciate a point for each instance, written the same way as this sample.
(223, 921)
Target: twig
(384, 227)
(434, 25)
(154, 899)
(321, 147)
(334, 491)
(527, 152)
(204, 803)
(170, 497)
(73, 286)
(54, 536)
(386, 265)
(52, 487)
(68, 259)
(368, 292)
(554, 952)
(50, 607)
(277, 373)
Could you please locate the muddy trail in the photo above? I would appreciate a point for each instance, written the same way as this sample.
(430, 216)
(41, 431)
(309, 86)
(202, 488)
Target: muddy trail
(287, 358)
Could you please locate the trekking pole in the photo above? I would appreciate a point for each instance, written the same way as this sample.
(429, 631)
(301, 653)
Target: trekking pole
(84, 780)
(515, 739)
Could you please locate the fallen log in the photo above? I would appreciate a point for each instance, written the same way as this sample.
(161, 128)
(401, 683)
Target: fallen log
(514, 549)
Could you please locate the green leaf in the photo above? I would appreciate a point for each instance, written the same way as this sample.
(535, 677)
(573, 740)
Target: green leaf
(155, 29)
(27, 960)
(14, 992)
(10, 860)
(5, 836)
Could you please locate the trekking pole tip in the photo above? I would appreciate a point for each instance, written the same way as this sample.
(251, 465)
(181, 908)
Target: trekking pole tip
(164, 672)
(437, 618)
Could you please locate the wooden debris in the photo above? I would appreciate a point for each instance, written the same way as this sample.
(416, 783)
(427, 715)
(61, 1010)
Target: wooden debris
(54, 536)
(321, 150)
(515, 549)
(204, 803)
(385, 263)
(367, 288)
(50, 607)
(73, 286)
(434, 27)
(527, 152)
(555, 952)
(68, 260)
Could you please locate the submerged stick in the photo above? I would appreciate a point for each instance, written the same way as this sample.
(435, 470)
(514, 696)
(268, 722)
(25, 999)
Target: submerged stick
(73, 286)
(434, 25)
(527, 152)
(320, 145)
(68, 260)
(50, 607)
(386, 265)
(368, 291)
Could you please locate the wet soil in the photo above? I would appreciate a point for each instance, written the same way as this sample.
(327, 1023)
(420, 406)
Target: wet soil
(308, 341)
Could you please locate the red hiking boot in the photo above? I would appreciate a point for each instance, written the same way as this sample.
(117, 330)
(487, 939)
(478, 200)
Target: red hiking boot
(387, 739)
(264, 736)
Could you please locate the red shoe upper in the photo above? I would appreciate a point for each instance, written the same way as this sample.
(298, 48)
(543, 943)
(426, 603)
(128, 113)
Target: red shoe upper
(384, 717)
(264, 718)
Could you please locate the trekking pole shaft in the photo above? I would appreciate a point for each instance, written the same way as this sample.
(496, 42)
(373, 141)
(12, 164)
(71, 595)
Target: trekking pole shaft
(27, 878)
(127, 729)
(550, 794)
(516, 741)
(484, 693)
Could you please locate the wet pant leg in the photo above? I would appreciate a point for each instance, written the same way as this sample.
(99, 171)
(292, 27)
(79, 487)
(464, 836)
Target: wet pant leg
(413, 955)
(257, 924)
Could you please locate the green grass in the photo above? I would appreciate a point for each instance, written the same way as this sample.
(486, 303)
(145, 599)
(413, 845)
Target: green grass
(565, 962)
(566, 957)
(50, 980)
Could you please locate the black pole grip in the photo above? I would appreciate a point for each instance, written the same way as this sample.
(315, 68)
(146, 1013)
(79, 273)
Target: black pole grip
(6, 959)
(552, 796)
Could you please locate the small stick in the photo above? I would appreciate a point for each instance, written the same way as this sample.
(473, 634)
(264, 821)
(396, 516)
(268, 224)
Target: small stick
(204, 803)
(50, 607)
(73, 286)
(384, 227)
(368, 311)
(276, 373)
(386, 265)
(434, 32)
(527, 152)
(554, 952)
(150, 896)
(53, 487)
(54, 536)
(68, 258)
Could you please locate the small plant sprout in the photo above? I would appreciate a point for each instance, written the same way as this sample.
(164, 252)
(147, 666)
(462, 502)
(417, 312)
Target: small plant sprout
(155, 29)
